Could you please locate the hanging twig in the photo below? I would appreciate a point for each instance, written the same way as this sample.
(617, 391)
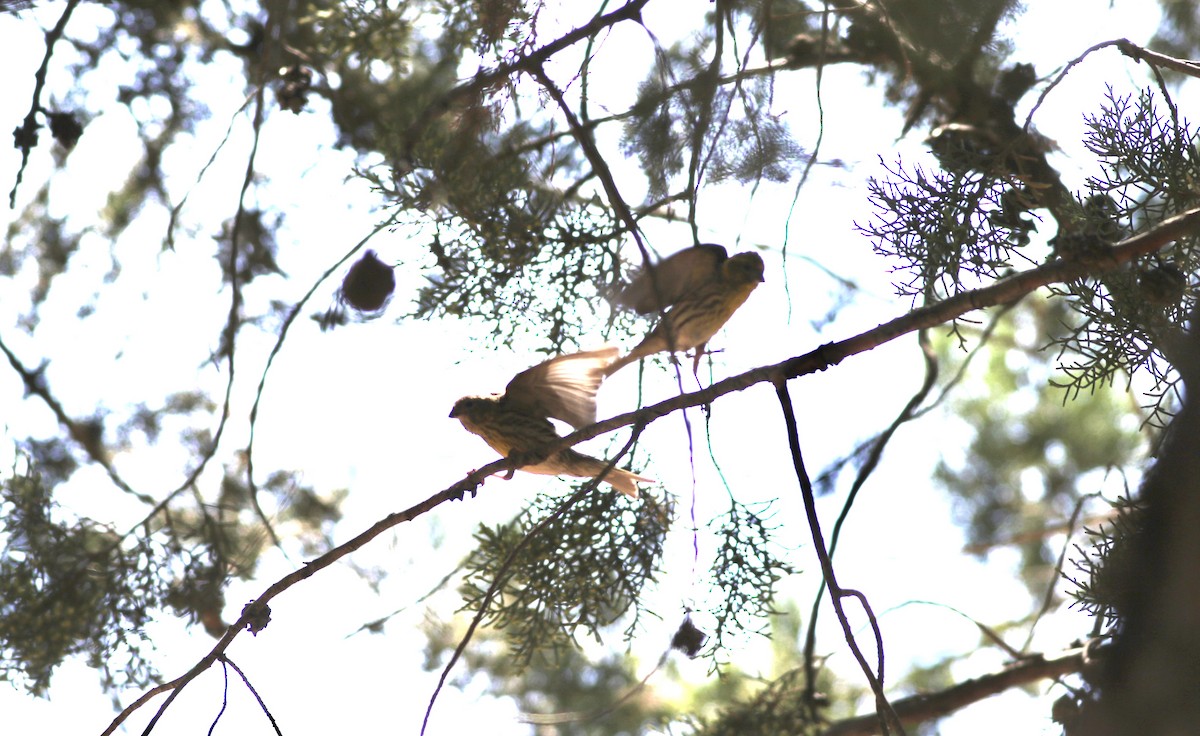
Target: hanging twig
(26, 134)
(884, 713)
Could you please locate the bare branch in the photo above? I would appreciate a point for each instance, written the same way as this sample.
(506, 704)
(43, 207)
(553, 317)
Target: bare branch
(920, 708)
(82, 432)
(26, 135)
(528, 63)
(884, 714)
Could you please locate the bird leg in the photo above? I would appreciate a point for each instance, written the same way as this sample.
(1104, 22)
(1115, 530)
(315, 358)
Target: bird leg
(700, 352)
(524, 457)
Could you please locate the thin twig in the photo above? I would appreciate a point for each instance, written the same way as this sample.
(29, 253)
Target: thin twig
(224, 696)
(27, 134)
(864, 472)
(884, 712)
(169, 239)
(1058, 567)
(257, 697)
(528, 63)
(80, 432)
(235, 305)
(283, 332)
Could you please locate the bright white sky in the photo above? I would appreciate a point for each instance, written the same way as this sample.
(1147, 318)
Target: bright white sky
(370, 402)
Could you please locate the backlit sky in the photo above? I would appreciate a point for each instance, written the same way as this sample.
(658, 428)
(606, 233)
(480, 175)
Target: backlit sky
(370, 401)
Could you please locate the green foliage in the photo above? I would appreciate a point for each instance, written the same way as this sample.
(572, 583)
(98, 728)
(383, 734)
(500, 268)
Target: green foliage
(574, 696)
(535, 266)
(757, 147)
(562, 568)
(951, 230)
(1179, 34)
(1130, 320)
(780, 707)
(674, 123)
(948, 32)
(1103, 575)
(74, 587)
(745, 572)
(494, 193)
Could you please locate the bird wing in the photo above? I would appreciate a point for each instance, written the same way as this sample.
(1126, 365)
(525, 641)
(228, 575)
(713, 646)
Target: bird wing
(563, 387)
(673, 277)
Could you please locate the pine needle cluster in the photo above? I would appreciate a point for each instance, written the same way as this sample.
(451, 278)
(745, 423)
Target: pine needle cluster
(74, 587)
(566, 567)
(1129, 321)
(745, 571)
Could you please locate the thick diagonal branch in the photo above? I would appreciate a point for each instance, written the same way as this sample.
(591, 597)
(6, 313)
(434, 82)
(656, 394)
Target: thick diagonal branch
(929, 706)
(1002, 292)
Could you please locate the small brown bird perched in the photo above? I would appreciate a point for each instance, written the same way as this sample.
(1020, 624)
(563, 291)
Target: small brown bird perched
(700, 287)
(518, 420)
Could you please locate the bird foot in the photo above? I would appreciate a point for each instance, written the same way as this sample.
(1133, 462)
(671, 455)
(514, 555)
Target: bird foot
(700, 352)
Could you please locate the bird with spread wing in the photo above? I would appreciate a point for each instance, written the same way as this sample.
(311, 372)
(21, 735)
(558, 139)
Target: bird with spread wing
(518, 420)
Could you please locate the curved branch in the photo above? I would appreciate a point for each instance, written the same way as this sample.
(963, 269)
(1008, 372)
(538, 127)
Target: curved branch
(874, 455)
(884, 713)
(254, 611)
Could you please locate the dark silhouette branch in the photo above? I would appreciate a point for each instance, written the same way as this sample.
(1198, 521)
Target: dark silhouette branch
(1154, 59)
(884, 715)
(920, 708)
(258, 698)
(874, 455)
(26, 135)
(528, 63)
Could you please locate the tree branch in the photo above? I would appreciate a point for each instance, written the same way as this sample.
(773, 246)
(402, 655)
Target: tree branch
(88, 435)
(1002, 292)
(26, 135)
(528, 63)
(884, 714)
(925, 707)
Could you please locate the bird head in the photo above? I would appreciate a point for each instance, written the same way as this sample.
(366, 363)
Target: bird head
(468, 405)
(744, 268)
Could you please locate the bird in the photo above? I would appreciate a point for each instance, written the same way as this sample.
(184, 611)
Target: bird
(518, 420)
(699, 288)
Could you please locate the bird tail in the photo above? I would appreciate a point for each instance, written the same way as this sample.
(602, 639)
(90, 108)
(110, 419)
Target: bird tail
(625, 481)
(649, 346)
(584, 466)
